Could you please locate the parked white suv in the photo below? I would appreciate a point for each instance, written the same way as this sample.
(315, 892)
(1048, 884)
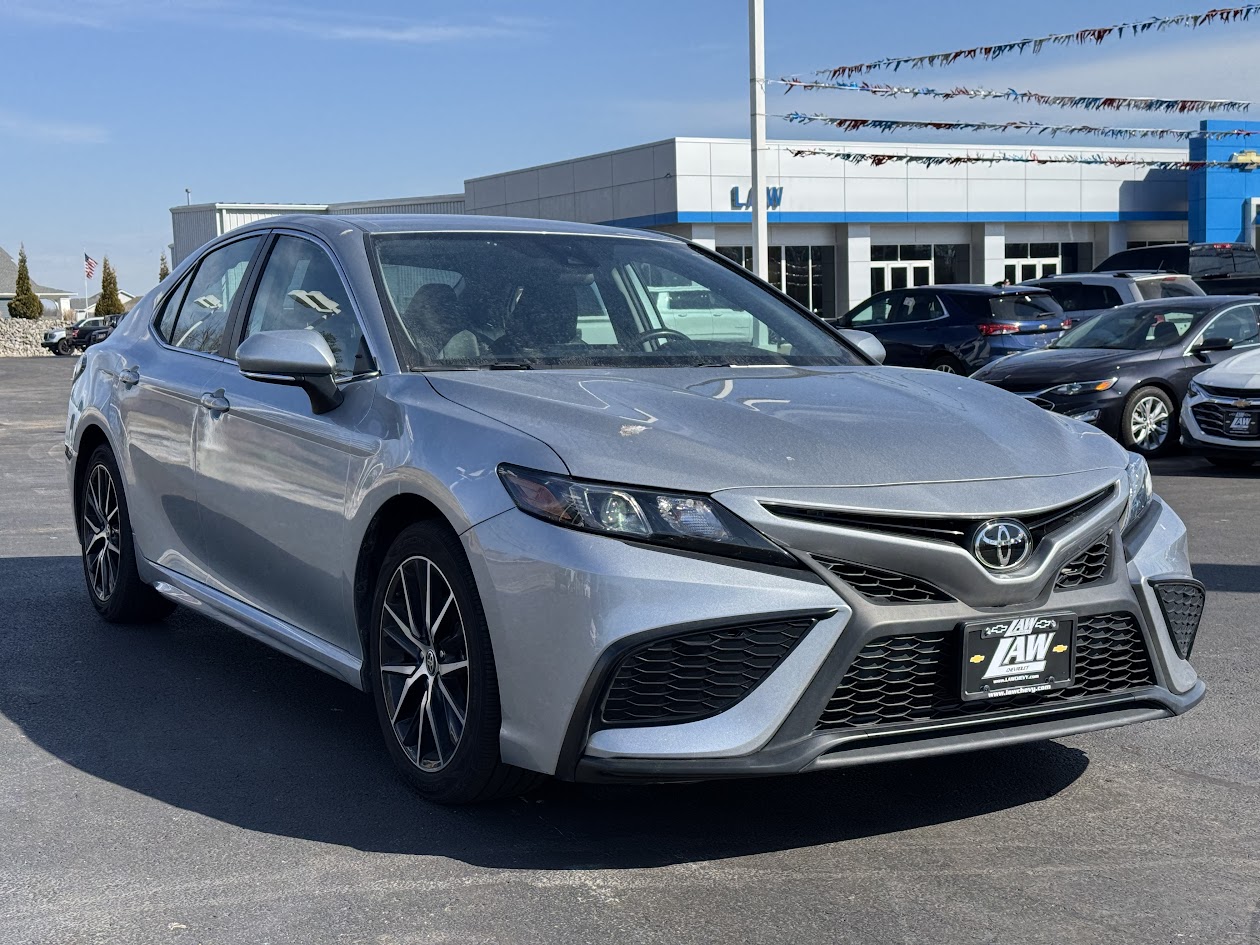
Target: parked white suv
(1082, 295)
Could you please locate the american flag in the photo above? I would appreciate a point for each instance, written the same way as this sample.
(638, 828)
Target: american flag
(89, 266)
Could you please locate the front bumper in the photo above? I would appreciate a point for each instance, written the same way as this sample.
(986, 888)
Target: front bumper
(564, 607)
(1203, 442)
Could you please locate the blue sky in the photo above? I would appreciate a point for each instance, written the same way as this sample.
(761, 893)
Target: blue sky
(113, 107)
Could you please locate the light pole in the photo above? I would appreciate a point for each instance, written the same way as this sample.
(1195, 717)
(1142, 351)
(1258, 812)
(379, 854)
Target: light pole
(757, 115)
(187, 197)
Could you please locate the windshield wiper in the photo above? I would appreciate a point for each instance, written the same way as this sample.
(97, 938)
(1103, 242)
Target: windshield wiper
(510, 366)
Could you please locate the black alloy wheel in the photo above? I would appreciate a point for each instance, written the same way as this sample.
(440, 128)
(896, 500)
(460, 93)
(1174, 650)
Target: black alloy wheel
(432, 672)
(109, 556)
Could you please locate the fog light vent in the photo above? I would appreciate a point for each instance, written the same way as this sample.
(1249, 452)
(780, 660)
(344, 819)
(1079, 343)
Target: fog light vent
(1182, 604)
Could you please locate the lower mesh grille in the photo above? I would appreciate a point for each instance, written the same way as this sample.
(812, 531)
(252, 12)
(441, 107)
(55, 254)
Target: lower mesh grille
(917, 677)
(880, 585)
(1214, 420)
(1089, 566)
(1182, 604)
(684, 678)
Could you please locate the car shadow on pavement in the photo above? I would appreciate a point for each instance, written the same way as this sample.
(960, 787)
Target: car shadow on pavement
(1240, 578)
(207, 720)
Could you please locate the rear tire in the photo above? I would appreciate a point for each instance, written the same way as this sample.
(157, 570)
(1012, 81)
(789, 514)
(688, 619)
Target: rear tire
(1148, 423)
(432, 672)
(108, 549)
(947, 364)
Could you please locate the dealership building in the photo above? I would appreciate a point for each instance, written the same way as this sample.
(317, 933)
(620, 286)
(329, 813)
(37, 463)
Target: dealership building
(839, 231)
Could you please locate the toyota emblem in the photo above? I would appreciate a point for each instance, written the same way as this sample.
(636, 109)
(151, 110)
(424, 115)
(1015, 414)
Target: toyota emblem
(1002, 544)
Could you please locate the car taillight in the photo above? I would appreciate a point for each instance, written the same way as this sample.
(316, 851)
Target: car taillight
(1067, 323)
(998, 328)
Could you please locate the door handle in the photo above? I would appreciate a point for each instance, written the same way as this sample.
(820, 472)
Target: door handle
(129, 377)
(216, 402)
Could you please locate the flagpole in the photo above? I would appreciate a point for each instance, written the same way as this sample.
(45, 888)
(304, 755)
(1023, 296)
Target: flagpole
(85, 257)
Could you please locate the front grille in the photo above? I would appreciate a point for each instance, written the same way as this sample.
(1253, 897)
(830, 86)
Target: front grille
(916, 677)
(696, 675)
(1212, 418)
(1182, 604)
(956, 531)
(1238, 392)
(884, 586)
(1089, 566)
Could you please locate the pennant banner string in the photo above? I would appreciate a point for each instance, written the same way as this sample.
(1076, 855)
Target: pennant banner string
(1029, 127)
(938, 160)
(1092, 35)
(1091, 102)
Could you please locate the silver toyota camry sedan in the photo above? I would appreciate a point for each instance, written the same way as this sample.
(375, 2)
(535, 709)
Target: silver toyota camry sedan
(594, 503)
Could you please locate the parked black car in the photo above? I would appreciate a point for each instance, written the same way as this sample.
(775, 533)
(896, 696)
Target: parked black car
(1218, 268)
(957, 328)
(93, 331)
(1127, 370)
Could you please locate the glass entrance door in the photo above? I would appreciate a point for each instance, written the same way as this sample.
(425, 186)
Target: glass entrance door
(899, 275)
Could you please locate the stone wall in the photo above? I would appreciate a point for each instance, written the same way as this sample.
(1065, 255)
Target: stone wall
(20, 338)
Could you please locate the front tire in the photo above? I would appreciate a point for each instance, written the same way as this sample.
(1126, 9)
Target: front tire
(108, 549)
(64, 347)
(432, 672)
(1148, 423)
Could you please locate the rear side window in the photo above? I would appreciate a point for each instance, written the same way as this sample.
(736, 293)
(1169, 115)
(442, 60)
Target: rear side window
(1083, 297)
(1167, 288)
(196, 317)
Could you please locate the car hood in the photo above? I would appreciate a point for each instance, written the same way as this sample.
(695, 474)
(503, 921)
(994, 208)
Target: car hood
(1049, 366)
(1242, 372)
(707, 429)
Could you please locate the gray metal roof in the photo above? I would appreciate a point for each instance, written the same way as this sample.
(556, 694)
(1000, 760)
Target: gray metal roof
(8, 278)
(450, 223)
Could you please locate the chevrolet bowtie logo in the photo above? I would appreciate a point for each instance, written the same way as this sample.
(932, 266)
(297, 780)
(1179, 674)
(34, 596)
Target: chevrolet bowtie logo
(1241, 403)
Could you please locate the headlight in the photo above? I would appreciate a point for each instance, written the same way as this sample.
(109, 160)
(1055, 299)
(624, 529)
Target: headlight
(1196, 391)
(1140, 490)
(678, 520)
(1082, 387)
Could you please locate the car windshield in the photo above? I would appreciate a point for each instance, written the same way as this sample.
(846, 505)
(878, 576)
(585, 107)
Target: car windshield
(1131, 328)
(531, 300)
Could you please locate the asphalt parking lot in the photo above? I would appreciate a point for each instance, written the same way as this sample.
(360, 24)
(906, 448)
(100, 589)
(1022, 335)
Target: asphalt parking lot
(184, 784)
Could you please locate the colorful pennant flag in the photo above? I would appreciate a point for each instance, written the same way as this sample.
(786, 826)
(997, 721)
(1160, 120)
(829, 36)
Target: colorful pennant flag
(937, 160)
(1093, 35)
(1029, 127)
(1091, 102)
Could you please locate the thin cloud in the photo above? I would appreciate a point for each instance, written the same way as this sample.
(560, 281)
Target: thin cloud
(14, 125)
(319, 25)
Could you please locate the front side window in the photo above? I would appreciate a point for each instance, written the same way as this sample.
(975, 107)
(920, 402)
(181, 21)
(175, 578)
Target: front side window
(470, 300)
(1238, 325)
(301, 290)
(196, 316)
(876, 312)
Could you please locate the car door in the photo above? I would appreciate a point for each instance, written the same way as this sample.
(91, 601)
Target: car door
(158, 399)
(272, 476)
(911, 326)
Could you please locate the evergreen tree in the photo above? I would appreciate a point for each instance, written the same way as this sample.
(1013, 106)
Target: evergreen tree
(108, 303)
(163, 269)
(25, 303)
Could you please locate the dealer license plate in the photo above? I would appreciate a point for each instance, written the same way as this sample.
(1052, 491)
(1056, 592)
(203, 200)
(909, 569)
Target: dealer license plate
(1244, 424)
(1017, 655)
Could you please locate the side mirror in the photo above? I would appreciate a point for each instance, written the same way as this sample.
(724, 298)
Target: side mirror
(865, 342)
(297, 358)
(1212, 344)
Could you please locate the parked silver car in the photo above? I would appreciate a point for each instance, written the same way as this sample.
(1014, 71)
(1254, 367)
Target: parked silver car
(469, 465)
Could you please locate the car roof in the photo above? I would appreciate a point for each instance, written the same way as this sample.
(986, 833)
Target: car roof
(968, 288)
(1192, 302)
(1134, 274)
(332, 224)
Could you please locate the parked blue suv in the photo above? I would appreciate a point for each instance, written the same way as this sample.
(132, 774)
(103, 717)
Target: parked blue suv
(957, 328)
